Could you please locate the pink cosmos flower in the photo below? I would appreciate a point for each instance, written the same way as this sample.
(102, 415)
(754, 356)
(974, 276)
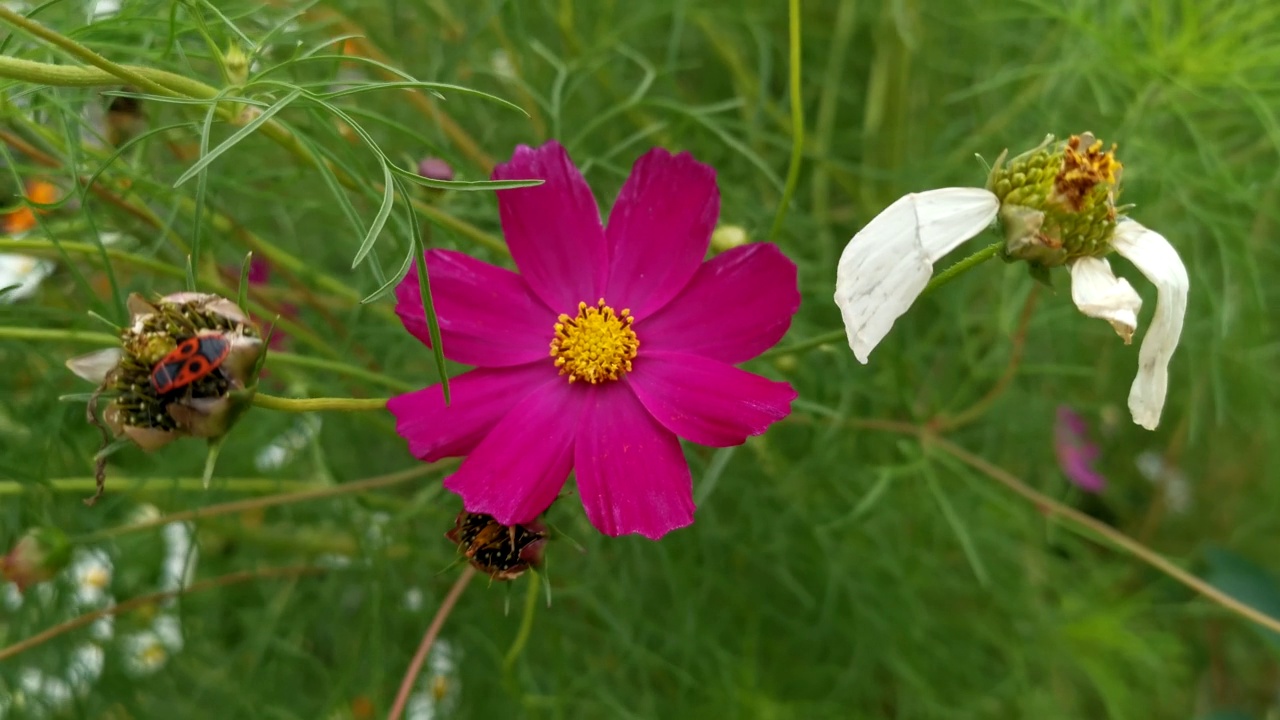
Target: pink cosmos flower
(1076, 452)
(609, 346)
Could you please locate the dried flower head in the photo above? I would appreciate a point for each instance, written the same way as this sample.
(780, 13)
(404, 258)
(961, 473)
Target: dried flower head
(503, 552)
(186, 367)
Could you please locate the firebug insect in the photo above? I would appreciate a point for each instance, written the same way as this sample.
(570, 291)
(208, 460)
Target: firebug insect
(192, 359)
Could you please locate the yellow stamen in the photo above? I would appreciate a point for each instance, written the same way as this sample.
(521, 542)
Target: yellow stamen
(1085, 165)
(595, 346)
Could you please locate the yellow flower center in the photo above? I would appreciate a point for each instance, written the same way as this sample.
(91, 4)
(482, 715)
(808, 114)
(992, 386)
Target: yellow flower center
(595, 346)
(1085, 166)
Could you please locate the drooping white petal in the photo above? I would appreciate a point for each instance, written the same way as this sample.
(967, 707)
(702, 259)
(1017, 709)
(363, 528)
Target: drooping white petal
(1155, 258)
(1100, 294)
(887, 264)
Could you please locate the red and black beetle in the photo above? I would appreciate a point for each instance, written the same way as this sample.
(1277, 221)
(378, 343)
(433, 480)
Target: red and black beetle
(193, 359)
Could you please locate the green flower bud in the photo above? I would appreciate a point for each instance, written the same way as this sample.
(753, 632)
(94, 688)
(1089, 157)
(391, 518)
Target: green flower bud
(727, 237)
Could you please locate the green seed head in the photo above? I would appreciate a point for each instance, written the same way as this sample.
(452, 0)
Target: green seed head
(1057, 201)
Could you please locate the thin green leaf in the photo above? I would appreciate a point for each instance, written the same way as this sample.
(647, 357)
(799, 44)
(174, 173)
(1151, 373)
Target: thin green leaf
(464, 185)
(237, 136)
(242, 293)
(379, 220)
(419, 251)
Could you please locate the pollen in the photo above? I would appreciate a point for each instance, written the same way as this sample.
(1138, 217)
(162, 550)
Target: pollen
(595, 346)
(1085, 166)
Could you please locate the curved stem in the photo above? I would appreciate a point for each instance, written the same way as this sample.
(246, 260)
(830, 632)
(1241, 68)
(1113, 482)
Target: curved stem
(128, 484)
(80, 52)
(300, 405)
(1076, 520)
(433, 631)
(1110, 535)
(74, 336)
(526, 624)
(797, 123)
(281, 358)
(145, 600)
(237, 506)
(306, 361)
(975, 411)
(44, 248)
(962, 267)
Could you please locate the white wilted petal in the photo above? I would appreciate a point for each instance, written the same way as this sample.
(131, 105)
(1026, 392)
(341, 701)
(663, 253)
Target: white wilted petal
(1100, 294)
(888, 263)
(96, 365)
(1159, 262)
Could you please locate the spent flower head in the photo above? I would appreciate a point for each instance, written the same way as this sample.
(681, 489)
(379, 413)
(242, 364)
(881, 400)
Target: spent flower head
(500, 551)
(39, 555)
(1056, 205)
(187, 366)
(610, 345)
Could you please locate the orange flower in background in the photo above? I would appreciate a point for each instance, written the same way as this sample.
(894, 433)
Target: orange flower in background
(22, 219)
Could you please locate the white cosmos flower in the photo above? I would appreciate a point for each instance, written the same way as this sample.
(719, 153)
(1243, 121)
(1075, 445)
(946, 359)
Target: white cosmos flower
(888, 263)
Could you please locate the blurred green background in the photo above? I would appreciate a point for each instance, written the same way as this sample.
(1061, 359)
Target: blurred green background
(834, 570)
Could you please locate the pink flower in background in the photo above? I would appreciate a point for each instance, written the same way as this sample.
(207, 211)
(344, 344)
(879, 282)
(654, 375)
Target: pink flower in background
(1075, 451)
(609, 346)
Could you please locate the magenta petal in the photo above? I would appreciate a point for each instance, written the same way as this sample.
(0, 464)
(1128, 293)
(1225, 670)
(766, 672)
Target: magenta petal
(480, 399)
(1076, 452)
(705, 400)
(516, 472)
(488, 316)
(659, 230)
(553, 229)
(632, 475)
(737, 305)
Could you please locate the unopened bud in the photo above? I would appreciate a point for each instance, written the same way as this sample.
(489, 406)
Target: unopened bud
(36, 557)
(433, 168)
(727, 237)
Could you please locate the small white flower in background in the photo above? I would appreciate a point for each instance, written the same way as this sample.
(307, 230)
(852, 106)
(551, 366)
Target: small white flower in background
(500, 63)
(144, 653)
(23, 274)
(104, 9)
(91, 574)
(1168, 477)
(1055, 206)
(440, 685)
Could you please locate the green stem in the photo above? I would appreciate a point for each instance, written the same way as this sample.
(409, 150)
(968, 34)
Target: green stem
(938, 281)
(797, 125)
(166, 484)
(42, 334)
(44, 248)
(962, 267)
(80, 52)
(526, 624)
(281, 358)
(300, 405)
(238, 506)
(306, 361)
